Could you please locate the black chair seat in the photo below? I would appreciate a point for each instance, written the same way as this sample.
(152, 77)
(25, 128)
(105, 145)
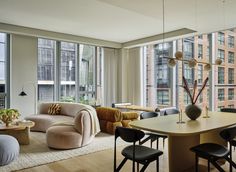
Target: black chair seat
(142, 153)
(211, 150)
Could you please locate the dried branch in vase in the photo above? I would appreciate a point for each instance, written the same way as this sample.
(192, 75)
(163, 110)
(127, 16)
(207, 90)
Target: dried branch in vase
(192, 96)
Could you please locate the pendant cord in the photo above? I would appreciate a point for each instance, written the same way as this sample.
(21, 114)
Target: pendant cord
(163, 26)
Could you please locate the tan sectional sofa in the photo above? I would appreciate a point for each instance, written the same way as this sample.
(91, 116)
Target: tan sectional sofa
(75, 126)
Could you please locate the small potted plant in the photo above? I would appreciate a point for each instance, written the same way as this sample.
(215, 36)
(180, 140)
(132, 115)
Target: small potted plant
(8, 115)
(192, 110)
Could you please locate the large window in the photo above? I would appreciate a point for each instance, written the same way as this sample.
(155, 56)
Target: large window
(200, 73)
(221, 54)
(67, 71)
(200, 51)
(221, 38)
(3, 70)
(231, 57)
(231, 76)
(87, 73)
(230, 93)
(221, 94)
(221, 75)
(46, 66)
(71, 75)
(231, 41)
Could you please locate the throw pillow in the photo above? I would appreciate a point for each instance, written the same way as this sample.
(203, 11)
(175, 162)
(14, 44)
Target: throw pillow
(54, 109)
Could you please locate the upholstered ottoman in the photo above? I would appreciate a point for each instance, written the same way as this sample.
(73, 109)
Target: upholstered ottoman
(63, 137)
(9, 149)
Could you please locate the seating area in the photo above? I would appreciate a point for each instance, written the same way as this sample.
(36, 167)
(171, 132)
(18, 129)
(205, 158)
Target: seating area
(117, 85)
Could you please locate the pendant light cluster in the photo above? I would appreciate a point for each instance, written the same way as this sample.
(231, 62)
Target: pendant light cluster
(191, 62)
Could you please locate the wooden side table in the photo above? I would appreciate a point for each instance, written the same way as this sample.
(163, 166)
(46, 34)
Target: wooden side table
(20, 130)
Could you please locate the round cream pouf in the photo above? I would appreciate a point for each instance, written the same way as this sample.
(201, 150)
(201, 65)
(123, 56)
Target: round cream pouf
(9, 149)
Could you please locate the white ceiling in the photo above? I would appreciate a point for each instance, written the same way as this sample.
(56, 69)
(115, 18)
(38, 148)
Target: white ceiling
(119, 20)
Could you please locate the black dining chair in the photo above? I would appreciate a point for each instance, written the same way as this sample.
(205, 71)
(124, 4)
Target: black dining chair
(233, 110)
(151, 136)
(136, 153)
(213, 152)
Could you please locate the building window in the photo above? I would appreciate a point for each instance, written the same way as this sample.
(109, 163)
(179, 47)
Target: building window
(221, 94)
(221, 54)
(221, 75)
(163, 97)
(230, 57)
(188, 48)
(200, 37)
(188, 73)
(231, 41)
(208, 53)
(200, 51)
(187, 99)
(3, 70)
(231, 106)
(231, 76)
(230, 93)
(200, 73)
(221, 38)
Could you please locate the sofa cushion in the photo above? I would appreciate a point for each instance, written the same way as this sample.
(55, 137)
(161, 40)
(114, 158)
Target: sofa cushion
(130, 115)
(67, 109)
(54, 109)
(44, 121)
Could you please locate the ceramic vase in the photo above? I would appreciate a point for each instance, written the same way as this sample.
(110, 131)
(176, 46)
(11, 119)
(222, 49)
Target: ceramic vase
(193, 111)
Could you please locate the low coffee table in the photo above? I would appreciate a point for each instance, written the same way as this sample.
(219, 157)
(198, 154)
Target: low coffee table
(20, 130)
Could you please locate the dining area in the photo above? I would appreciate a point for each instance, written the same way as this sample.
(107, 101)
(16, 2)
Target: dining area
(203, 144)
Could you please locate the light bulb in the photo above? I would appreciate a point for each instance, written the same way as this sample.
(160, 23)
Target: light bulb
(171, 62)
(218, 61)
(178, 55)
(207, 67)
(192, 63)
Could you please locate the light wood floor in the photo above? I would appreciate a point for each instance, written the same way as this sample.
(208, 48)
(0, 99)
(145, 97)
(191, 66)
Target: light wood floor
(101, 162)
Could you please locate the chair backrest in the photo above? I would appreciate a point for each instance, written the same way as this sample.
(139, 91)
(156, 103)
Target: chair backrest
(233, 110)
(129, 134)
(146, 115)
(120, 104)
(229, 133)
(169, 111)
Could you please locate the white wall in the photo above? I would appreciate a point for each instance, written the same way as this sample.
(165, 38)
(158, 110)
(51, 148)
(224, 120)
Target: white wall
(23, 72)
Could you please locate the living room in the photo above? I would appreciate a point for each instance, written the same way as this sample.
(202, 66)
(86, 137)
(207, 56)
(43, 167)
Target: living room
(100, 52)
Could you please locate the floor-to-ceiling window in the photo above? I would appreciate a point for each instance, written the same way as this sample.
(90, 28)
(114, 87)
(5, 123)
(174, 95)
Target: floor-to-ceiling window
(46, 69)
(205, 48)
(68, 58)
(3, 70)
(69, 72)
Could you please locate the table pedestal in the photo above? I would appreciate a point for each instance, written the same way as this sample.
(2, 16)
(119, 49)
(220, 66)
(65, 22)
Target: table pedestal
(180, 157)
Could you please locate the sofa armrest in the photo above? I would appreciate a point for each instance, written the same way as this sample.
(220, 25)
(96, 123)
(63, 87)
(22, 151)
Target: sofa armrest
(109, 114)
(83, 125)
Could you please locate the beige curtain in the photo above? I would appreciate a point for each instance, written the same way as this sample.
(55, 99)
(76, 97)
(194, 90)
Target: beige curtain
(110, 76)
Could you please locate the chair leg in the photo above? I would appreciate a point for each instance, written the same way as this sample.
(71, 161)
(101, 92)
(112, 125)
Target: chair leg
(196, 163)
(121, 164)
(157, 164)
(208, 165)
(144, 167)
(217, 166)
(231, 162)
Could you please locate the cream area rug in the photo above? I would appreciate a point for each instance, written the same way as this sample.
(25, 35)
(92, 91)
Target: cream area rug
(37, 152)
